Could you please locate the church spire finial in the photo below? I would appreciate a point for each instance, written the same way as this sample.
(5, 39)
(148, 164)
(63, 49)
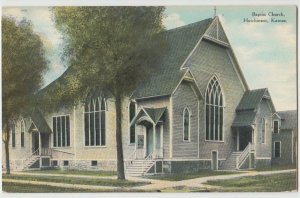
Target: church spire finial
(215, 11)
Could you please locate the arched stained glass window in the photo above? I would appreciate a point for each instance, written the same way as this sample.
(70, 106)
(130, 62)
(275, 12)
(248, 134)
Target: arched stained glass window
(94, 122)
(186, 124)
(214, 111)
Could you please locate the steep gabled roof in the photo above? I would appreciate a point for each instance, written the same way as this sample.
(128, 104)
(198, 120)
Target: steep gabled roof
(181, 42)
(152, 114)
(251, 99)
(288, 119)
(244, 118)
(39, 123)
(155, 113)
(247, 108)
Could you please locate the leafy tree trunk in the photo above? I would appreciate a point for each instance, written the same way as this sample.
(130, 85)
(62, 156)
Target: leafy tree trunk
(120, 161)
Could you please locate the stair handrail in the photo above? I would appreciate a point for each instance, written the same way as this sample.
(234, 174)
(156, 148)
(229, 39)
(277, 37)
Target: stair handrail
(46, 152)
(32, 154)
(56, 150)
(131, 157)
(147, 159)
(243, 155)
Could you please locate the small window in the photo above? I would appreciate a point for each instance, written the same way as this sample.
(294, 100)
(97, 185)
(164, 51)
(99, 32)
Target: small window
(186, 125)
(54, 163)
(13, 135)
(22, 133)
(132, 128)
(276, 126)
(277, 149)
(66, 163)
(94, 163)
(263, 131)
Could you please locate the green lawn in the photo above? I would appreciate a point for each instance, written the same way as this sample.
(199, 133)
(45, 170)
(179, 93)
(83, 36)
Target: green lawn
(30, 188)
(277, 167)
(184, 176)
(71, 180)
(270, 183)
(74, 172)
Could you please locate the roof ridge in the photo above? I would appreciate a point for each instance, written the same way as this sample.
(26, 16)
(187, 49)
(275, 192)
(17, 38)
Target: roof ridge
(188, 25)
(290, 110)
(259, 89)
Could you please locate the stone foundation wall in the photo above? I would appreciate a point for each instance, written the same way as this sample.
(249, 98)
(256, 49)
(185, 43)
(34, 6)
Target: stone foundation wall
(260, 163)
(103, 165)
(185, 166)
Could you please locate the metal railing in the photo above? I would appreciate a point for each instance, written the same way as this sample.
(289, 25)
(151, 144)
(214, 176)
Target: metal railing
(148, 159)
(46, 152)
(59, 151)
(131, 157)
(29, 158)
(240, 159)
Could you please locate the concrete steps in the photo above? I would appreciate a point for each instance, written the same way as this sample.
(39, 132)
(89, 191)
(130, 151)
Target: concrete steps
(139, 167)
(230, 163)
(30, 161)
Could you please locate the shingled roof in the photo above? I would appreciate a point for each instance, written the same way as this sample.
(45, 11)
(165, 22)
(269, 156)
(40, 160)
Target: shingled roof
(244, 118)
(39, 122)
(288, 119)
(251, 99)
(246, 110)
(181, 42)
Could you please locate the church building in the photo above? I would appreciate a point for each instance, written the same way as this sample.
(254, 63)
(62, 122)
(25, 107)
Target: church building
(194, 112)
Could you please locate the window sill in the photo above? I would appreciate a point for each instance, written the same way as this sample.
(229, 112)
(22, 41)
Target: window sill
(66, 147)
(214, 141)
(131, 144)
(87, 147)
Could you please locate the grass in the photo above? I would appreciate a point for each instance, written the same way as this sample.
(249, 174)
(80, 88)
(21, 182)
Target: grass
(260, 183)
(11, 187)
(71, 180)
(277, 167)
(74, 172)
(184, 176)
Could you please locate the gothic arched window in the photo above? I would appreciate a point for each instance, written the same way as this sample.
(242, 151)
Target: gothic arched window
(94, 122)
(214, 106)
(263, 130)
(131, 116)
(186, 124)
(13, 134)
(22, 133)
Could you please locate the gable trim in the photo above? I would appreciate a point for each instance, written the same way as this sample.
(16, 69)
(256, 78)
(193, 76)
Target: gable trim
(135, 117)
(148, 97)
(215, 41)
(191, 53)
(192, 81)
(269, 100)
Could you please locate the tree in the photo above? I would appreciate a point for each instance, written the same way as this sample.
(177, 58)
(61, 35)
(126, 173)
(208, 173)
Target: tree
(23, 65)
(111, 48)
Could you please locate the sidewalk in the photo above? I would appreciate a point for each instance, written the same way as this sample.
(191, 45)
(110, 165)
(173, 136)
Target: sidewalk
(155, 184)
(64, 175)
(199, 182)
(77, 186)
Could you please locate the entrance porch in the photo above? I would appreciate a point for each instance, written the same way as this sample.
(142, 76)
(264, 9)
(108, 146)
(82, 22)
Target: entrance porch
(148, 153)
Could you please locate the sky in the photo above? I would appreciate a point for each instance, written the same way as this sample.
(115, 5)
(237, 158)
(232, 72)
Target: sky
(266, 52)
